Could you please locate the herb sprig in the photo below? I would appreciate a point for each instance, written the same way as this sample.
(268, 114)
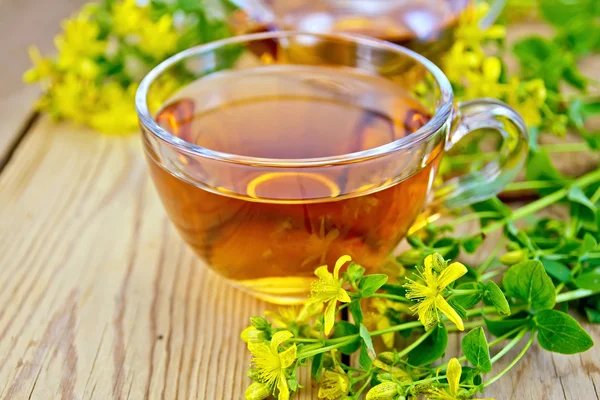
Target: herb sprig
(542, 269)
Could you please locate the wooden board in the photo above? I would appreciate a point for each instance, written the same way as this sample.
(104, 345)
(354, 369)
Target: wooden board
(24, 23)
(101, 298)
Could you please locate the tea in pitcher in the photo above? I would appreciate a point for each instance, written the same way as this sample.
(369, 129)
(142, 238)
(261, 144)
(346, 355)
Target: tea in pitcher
(268, 229)
(425, 26)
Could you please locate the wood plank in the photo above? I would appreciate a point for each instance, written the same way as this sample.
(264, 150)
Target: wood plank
(102, 299)
(24, 23)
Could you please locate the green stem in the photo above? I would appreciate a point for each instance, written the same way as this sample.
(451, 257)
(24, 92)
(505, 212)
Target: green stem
(397, 328)
(467, 325)
(565, 147)
(596, 196)
(304, 340)
(363, 387)
(310, 353)
(513, 362)
(526, 185)
(510, 345)
(391, 297)
(414, 344)
(490, 275)
(361, 377)
(544, 202)
(472, 216)
(574, 295)
(488, 261)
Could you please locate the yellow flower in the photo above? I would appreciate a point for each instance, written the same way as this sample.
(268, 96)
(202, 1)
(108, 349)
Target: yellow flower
(429, 293)
(469, 28)
(115, 113)
(334, 385)
(328, 289)
(460, 60)
(78, 42)
(42, 67)
(452, 392)
(271, 364)
(128, 17)
(527, 98)
(485, 83)
(379, 319)
(158, 39)
(294, 314)
(257, 391)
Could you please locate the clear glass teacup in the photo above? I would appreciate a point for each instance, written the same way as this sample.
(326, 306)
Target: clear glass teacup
(286, 150)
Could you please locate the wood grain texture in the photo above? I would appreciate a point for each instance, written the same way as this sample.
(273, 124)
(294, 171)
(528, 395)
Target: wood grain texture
(101, 298)
(24, 23)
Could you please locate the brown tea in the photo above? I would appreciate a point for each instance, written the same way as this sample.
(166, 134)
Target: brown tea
(422, 25)
(270, 230)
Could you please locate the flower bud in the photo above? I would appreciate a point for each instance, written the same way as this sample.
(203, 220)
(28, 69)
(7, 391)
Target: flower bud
(387, 357)
(435, 261)
(251, 334)
(383, 391)
(410, 257)
(259, 323)
(513, 257)
(257, 391)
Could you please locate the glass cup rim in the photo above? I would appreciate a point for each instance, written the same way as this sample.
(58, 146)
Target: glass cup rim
(442, 113)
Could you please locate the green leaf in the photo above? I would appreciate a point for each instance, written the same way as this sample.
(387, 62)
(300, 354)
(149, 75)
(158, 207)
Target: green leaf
(589, 242)
(540, 168)
(577, 195)
(316, 366)
(364, 359)
(460, 310)
(593, 316)
(494, 295)
(364, 334)
(468, 300)
(356, 311)
(432, 348)
(472, 244)
(560, 333)
(566, 12)
(557, 270)
(499, 327)
(476, 349)
(345, 328)
(528, 281)
(589, 280)
(369, 284)
(495, 205)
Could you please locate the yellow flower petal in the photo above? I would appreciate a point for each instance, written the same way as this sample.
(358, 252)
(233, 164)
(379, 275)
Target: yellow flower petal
(309, 310)
(342, 296)
(434, 262)
(450, 274)
(339, 263)
(453, 375)
(279, 338)
(259, 350)
(329, 316)
(288, 356)
(282, 385)
(442, 305)
(323, 273)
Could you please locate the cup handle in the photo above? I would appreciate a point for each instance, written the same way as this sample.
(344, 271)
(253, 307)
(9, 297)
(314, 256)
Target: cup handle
(493, 13)
(494, 176)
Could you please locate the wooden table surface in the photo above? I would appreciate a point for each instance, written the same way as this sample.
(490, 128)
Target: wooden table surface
(100, 298)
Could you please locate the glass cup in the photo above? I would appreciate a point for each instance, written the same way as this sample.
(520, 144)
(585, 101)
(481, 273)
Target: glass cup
(425, 26)
(334, 151)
